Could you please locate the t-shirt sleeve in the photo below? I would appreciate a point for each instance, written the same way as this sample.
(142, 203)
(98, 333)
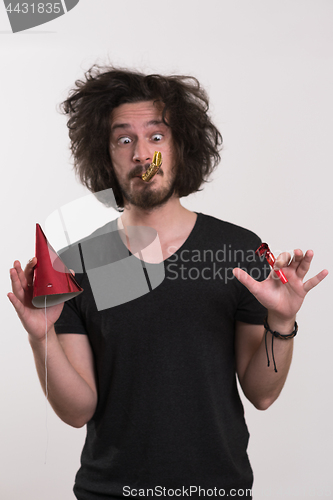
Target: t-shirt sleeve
(249, 309)
(70, 320)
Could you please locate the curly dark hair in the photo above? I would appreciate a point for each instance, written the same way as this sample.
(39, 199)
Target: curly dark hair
(89, 106)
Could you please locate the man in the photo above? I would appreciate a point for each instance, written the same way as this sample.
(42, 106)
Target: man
(154, 378)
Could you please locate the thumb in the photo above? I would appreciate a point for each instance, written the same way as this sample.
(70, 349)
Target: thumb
(246, 280)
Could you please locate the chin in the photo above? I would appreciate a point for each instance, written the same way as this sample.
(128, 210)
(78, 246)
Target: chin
(149, 199)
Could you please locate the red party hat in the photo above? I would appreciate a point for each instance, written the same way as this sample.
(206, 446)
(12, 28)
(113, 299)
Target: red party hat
(56, 286)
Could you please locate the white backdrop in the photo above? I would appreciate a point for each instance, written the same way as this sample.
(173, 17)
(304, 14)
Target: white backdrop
(268, 68)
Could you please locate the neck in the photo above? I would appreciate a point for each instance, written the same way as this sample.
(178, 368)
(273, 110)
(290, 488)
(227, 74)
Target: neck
(172, 222)
(160, 218)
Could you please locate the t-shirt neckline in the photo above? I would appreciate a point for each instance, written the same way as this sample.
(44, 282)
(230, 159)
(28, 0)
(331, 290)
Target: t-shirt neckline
(192, 234)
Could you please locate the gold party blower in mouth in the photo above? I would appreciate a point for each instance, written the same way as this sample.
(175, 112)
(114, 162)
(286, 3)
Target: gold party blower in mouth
(153, 167)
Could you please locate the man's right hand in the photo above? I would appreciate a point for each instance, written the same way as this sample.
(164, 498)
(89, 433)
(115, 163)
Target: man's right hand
(72, 390)
(32, 318)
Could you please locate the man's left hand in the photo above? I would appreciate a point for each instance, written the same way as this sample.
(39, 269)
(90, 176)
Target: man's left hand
(283, 300)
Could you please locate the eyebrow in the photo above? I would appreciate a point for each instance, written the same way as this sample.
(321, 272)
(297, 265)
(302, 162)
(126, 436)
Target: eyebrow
(127, 125)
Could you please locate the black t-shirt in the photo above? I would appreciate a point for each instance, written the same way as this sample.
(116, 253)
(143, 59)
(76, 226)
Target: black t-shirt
(169, 413)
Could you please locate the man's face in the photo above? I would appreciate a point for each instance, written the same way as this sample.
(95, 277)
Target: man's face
(137, 131)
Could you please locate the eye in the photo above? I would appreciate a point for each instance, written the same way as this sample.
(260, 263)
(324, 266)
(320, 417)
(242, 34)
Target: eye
(157, 137)
(124, 140)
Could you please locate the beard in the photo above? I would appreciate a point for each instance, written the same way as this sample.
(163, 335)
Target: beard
(147, 197)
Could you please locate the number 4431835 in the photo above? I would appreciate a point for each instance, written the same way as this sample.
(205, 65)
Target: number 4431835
(40, 8)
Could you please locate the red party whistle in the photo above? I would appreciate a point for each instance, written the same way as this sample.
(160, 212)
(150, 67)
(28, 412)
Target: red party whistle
(264, 250)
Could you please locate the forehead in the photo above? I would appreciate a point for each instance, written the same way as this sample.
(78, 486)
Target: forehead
(136, 113)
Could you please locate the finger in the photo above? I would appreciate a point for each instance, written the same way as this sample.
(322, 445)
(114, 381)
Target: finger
(246, 280)
(16, 284)
(20, 274)
(282, 260)
(297, 257)
(304, 264)
(311, 283)
(19, 307)
(29, 270)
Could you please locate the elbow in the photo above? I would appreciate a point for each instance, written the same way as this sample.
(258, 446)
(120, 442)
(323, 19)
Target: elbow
(77, 419)
(73, 421)
(262, 400)
(263, 404)
(82, 419)
(77, 425)
(76, 422)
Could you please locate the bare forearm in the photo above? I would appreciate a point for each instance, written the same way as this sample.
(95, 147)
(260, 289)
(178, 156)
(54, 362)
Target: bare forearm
(261, 383)
(71, 397)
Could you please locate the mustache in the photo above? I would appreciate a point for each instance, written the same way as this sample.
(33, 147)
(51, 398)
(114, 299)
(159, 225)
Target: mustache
(141, 169)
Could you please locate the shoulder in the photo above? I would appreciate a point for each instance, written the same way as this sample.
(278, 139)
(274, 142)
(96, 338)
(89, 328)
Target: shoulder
(228, 232)
(72, 255)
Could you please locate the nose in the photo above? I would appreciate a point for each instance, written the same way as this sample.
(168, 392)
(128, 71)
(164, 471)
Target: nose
(141, 153)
